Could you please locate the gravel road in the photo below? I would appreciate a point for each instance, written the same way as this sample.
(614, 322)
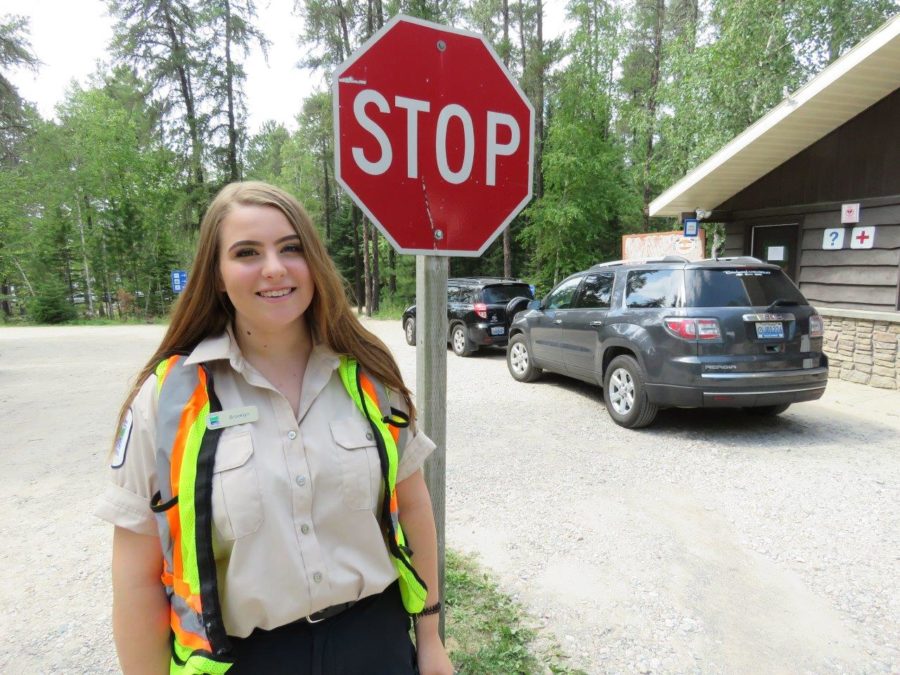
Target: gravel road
(711, 543)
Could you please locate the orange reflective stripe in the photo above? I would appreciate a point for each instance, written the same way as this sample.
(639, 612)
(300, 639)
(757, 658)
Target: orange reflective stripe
(186, 638)
(190, 413)
(368, 387)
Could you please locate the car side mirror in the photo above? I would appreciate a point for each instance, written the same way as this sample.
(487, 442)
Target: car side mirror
(534, 304)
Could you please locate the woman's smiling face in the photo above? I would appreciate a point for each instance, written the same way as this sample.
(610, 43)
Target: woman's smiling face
(262, 268)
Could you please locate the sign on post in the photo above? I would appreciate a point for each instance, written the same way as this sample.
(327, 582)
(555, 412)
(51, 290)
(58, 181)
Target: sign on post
(179, 280)
(434, 141)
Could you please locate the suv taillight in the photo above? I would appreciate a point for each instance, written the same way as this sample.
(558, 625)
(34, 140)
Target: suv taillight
(481, 309)
(816, 326)
(693, 329)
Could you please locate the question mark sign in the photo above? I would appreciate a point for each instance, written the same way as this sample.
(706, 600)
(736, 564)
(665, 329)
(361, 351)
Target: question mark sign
(834, 236)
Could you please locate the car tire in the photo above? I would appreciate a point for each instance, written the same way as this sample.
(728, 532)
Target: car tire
(518, 360)
(409, 330)
(625, 394)
(768, 410)
(460, 342)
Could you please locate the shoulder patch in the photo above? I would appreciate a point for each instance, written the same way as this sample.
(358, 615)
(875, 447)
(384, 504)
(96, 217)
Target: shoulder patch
(122, 441)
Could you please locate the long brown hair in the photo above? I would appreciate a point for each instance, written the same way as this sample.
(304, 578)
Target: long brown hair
(203, 310)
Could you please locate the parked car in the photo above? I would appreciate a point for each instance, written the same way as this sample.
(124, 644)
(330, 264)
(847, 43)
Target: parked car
(479, 310)
(732, 332)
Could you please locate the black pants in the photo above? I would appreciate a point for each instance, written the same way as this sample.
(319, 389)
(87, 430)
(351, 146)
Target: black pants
(370, 638)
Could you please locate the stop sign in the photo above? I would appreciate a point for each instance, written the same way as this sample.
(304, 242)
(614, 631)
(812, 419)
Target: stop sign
(433, 139)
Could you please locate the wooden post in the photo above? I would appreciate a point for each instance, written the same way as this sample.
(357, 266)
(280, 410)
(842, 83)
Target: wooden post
(431, 385)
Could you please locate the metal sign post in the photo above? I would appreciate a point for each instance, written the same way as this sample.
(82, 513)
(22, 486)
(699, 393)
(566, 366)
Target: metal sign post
(434, 141)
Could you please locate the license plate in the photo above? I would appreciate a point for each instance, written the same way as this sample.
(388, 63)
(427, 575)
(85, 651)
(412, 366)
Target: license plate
(497, 330)
(769, 330)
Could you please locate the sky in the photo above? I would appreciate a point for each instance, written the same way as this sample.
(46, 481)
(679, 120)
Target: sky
(274, 91)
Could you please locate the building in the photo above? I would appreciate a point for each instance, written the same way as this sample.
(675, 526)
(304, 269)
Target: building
(814, 186)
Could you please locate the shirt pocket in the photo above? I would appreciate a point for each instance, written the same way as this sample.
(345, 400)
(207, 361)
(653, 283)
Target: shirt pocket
(236, 499)
(358, 458)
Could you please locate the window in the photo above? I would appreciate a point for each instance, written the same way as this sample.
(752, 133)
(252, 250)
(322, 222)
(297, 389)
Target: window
(500, 294)
(596, 291)
(562, 296)
(653, 288)
(748, 287)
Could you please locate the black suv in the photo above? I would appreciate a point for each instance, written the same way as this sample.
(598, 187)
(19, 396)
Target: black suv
(732, 332)
(478, 312)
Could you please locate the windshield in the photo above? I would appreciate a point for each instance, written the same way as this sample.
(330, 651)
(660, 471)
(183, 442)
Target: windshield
(741, 287)
(503, 293)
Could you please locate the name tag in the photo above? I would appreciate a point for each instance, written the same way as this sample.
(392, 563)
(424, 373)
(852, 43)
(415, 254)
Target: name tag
(230, 418)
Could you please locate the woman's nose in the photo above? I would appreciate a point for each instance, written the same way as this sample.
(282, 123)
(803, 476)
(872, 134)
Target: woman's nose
(273, 267)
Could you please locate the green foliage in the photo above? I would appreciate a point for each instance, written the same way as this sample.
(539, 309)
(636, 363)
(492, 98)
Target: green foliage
(630, 98)
(51, 303)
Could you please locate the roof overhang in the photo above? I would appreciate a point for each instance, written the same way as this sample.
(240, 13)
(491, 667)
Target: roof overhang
(860, 78)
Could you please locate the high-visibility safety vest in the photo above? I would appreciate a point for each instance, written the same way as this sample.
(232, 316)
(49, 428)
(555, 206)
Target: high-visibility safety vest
(185, 453)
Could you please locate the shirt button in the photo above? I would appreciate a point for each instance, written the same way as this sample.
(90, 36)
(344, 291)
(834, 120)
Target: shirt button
(292, 435)
(369, 435)
(317, 577)
(301, 480)
(304, 528)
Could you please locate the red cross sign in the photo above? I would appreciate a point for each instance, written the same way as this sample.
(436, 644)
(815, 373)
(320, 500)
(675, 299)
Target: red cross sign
(862, 237)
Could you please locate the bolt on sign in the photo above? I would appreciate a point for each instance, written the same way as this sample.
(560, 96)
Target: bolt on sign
(433, 138)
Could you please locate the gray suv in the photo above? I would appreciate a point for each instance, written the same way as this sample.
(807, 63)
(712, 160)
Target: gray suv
(732, 332)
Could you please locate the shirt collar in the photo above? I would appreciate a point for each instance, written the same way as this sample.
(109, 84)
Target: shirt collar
(224, 346)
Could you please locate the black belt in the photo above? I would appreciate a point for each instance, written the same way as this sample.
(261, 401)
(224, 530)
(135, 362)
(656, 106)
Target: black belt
(328, 612)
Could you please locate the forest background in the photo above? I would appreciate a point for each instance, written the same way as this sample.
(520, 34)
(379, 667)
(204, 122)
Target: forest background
(99, 205)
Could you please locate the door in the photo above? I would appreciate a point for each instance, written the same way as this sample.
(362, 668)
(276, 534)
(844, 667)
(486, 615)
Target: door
(776, 244)
(546, 329)
(583, 325)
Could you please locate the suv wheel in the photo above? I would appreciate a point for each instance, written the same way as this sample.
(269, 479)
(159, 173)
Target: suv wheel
(519, 362)
(626, 397)
(768, 410)
(409, 329)
(460, 342)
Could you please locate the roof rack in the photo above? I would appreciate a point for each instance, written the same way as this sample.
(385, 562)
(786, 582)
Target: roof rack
(739, 258)
(643, 261)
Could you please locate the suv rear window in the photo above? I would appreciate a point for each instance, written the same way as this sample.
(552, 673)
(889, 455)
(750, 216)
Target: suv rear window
(503, 293)
(740, 287)
(653, 288)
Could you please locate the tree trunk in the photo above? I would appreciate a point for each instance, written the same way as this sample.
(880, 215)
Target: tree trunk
(358, 283)
(367, 275)
(651, 106)
(327, 201)
(507, 245)
(539, 101)
(392, 278)
(233, 171)
(195, 189)
(84, 257)
(376, 271)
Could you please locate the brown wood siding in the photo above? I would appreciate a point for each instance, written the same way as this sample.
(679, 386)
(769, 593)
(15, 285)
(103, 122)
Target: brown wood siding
(852, 278)
(859, 159)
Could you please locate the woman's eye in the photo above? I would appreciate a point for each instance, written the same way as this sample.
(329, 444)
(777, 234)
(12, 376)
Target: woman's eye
(244, 252)
(293, 248)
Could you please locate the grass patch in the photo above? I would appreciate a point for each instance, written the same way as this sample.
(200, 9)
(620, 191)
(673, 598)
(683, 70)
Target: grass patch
(488, 632)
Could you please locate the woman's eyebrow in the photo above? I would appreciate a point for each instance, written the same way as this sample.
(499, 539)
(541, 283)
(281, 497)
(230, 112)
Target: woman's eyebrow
(251, 242)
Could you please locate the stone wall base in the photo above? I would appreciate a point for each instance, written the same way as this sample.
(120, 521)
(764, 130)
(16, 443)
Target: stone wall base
(862, 350)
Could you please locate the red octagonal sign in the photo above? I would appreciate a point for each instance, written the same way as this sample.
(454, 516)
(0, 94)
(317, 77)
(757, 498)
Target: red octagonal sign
(434, 140)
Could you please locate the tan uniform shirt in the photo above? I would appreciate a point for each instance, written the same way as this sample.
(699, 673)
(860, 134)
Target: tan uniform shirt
(295, 499)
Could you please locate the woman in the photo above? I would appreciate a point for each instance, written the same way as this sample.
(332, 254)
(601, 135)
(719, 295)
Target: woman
(260, 465)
